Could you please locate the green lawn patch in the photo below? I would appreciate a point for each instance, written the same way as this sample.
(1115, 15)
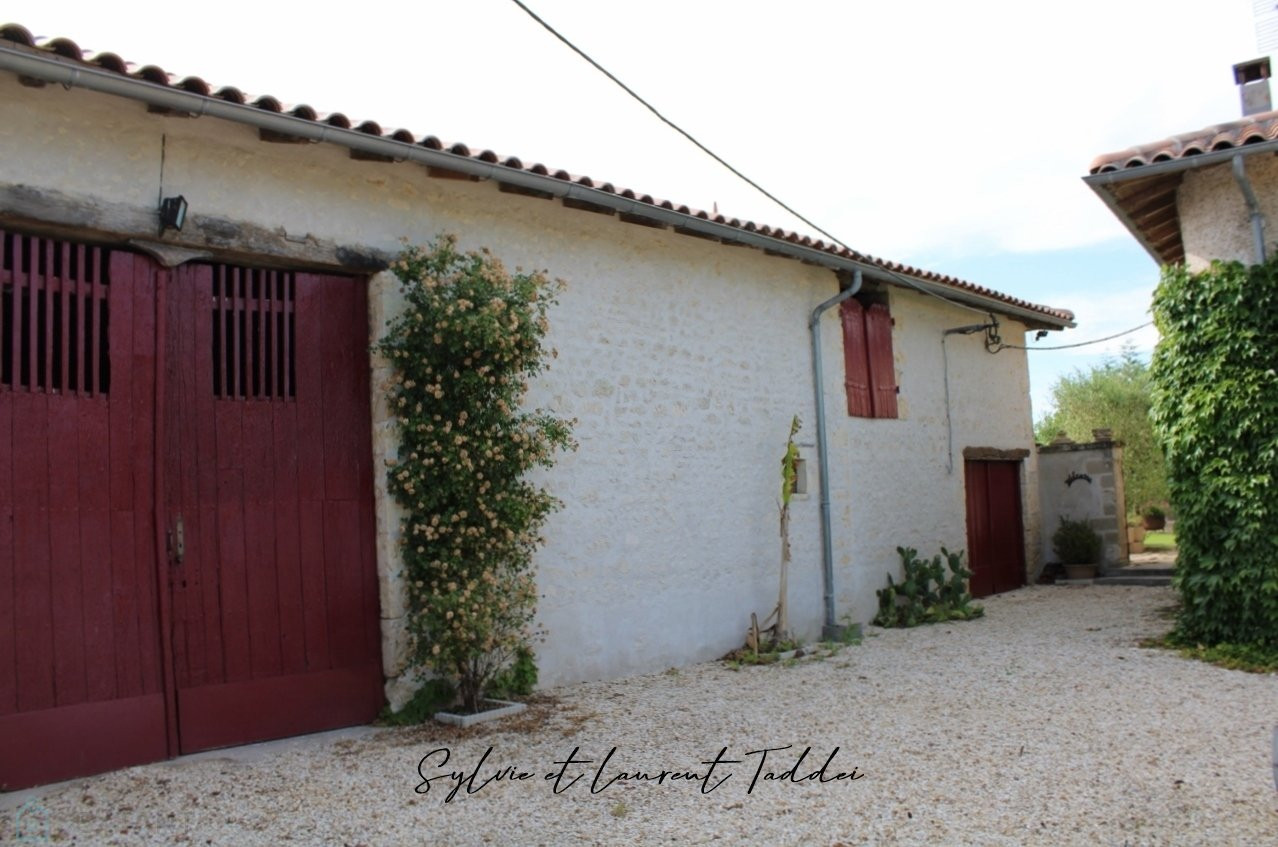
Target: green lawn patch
(1160, 540)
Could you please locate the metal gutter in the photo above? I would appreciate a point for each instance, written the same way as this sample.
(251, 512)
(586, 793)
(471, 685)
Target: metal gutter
(1202, 160)
(830, 631)
(71, 74)
(1253, 207)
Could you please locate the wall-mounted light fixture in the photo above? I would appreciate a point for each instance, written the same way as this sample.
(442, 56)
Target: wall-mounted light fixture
(172, 213)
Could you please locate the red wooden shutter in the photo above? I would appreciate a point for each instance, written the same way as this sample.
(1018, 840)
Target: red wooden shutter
(855, 363)
(878, 342)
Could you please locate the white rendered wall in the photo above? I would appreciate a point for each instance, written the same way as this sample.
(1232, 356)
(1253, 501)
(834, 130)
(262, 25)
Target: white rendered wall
(682, 359)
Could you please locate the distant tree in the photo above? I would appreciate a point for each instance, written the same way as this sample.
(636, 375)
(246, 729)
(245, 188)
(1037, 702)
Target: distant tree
(1114, 395)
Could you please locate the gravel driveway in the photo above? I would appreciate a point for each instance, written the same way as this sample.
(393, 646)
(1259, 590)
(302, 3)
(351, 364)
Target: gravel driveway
(1043, 723)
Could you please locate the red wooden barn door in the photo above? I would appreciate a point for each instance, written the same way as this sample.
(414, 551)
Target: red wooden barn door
(269, 477)
(995, 539)
(81, 670)
(186, 524)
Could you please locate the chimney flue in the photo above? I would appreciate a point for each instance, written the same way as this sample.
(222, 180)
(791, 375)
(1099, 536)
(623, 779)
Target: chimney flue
(1253, 83)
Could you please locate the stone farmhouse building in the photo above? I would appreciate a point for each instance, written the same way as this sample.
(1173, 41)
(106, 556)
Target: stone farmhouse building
(197, 548)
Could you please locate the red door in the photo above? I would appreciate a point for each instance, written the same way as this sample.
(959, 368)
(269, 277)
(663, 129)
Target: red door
(81, 685)
(120, 412)
(269, 472)
(995, 537)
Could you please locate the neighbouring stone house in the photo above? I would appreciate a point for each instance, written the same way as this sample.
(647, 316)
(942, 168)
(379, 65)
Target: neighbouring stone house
(196, 544)
(1201, 195)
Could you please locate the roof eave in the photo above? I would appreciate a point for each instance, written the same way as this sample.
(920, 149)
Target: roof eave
(69, 73)
(1101, 183)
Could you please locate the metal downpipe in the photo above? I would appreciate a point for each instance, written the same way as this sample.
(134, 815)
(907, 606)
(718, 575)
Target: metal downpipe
(830, 630)
(1253, 206)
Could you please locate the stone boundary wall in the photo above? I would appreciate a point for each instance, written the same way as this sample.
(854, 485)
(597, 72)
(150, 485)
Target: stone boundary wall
(1084, 482)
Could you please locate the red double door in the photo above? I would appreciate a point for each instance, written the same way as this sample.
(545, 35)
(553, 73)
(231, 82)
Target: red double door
(186, 526)
(995, 533)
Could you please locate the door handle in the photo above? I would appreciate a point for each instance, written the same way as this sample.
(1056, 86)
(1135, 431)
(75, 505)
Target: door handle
(179, 541)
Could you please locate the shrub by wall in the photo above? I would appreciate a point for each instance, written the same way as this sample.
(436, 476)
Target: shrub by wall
(469, 339)
(1215, 410)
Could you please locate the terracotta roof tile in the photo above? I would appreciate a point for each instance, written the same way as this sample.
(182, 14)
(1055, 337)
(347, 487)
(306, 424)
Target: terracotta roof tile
(1252, 129)
(70, 51)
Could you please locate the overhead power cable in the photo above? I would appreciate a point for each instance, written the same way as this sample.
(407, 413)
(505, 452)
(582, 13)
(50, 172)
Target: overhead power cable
(703, 148)
(1000, 346)
(675, 126)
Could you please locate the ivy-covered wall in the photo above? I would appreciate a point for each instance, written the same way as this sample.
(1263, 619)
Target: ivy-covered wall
(1215, 407)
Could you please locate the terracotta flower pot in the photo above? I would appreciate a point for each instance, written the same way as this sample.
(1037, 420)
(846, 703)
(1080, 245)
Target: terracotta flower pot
(1152, 523)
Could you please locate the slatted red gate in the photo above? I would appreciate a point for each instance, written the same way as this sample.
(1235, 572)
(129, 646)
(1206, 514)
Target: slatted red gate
(186, 536)
(995, 536)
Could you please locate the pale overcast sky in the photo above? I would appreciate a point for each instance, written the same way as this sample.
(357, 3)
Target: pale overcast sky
(951, 136)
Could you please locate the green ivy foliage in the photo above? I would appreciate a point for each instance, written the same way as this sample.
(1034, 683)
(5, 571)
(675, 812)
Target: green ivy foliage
(469, 338)
(1215, 410)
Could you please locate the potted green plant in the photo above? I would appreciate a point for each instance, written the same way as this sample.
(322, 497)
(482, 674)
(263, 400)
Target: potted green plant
(1078, 547)
(1154, 518)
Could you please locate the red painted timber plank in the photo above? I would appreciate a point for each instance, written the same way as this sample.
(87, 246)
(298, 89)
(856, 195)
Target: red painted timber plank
(124, 604)
(231, 561)
(126, 405)
(73, 741)
(362, 450)
(203, 542)
(32, 248)
(180, 449)
(127, 268)
(47, 287)
(314, 590)
(33, 619)
(340, 407)
(259, 537)
(976, 479)
(93, 378)
(287, 543)
(259, 316)
(31, 563)
(856, 372)
(342, 571)
(8, 604)
(235, 277)
(287, 326)
(307, 341)
(12, 375)
(93, 466)
(878, 342)
(371, 613)
(67, 563)
(257, 710)
(64, 339)
(8, 599)
(144, 364)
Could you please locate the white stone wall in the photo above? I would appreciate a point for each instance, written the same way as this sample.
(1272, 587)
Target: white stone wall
(1214, 220)
(1083, 482)
(682, 359)
(895, 482)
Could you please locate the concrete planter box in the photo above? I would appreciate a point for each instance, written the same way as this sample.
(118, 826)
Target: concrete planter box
(496, 709)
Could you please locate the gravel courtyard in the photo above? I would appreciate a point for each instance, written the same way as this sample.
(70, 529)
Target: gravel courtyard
(1043, 723)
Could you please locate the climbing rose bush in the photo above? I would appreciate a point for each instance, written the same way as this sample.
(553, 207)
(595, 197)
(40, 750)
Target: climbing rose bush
(469, 339)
